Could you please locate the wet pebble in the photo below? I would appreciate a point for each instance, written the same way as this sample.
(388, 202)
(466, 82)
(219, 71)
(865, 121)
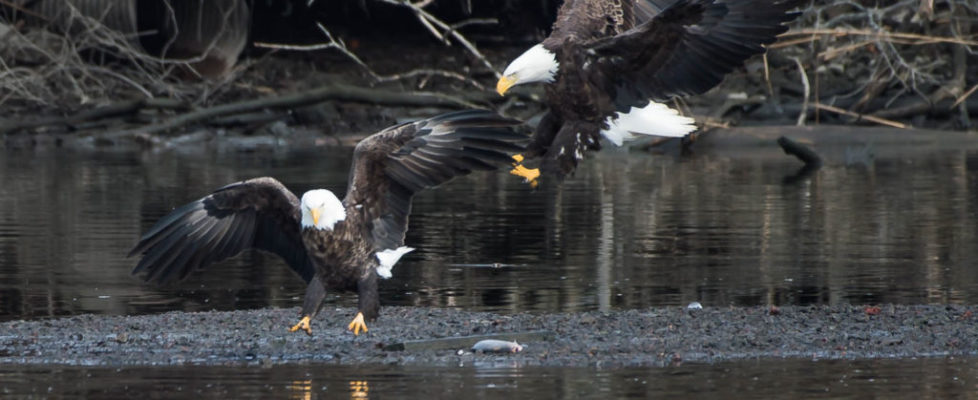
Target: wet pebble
(648, 337)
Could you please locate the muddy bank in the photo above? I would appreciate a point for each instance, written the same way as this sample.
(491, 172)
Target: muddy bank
(649, 337)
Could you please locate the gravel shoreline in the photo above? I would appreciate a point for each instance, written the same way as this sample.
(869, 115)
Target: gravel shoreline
(648, 337)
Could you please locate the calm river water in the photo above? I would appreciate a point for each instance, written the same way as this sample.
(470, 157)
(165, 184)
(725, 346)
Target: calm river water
(882, 222)
(785, 379)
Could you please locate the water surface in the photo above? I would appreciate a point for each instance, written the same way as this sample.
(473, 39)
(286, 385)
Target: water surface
(879, 223)
(889, 379)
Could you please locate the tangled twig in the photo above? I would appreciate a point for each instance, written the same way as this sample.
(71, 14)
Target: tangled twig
(84, 62)
(434, 24)
(335, 43)
(895, 54)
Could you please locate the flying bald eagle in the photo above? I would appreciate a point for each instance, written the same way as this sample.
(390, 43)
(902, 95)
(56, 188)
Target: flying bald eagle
(610, 64)
(331, 244)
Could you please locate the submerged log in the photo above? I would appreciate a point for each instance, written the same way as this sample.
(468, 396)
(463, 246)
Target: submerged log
(804, 153)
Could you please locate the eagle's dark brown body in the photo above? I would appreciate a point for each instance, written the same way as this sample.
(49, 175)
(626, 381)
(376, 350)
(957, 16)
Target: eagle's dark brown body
(388, 168)
(614, 55)
(340, 247)
(342, 262)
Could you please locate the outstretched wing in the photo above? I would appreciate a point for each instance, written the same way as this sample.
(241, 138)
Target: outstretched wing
(645, 10)
(687, 48)
(391, 165)
(637, 12)
(257, 213)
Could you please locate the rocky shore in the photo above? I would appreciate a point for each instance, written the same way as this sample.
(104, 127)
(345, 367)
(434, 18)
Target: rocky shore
(647, 337)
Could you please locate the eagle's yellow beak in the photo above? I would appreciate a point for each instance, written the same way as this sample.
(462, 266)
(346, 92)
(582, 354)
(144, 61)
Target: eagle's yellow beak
(505, 83)
(315, 216)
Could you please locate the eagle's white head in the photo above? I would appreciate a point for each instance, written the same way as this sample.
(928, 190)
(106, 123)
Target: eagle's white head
(321, 209)
(535, 65)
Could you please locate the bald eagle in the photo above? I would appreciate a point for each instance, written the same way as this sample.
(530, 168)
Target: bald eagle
(342, 245)
(610, 64)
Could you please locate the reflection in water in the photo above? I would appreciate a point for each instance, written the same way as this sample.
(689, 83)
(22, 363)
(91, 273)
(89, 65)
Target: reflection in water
(300, 390)
(773, 378)
(628, 231)
(359, 389)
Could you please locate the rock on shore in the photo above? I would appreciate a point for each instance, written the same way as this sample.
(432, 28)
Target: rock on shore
(648, 337)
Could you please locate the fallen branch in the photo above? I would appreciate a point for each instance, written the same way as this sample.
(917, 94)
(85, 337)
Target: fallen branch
(105, 112)
(918, 107)
(249, 119)
(338, 92)
(870, 118)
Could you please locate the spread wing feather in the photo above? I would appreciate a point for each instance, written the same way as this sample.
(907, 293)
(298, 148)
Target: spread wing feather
(645, 10)
(257, 213)
(687, 48)
(391, 165)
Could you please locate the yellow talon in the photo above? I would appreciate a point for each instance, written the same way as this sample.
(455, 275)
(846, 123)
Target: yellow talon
(357, 324)
(529, 175)
(304, 325)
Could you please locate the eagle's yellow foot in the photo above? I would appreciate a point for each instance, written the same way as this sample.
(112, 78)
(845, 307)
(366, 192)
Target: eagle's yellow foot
(530, 175)
(304, 325)
(357, 324)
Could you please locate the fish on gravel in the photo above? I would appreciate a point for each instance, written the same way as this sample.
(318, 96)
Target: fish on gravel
(496, 346)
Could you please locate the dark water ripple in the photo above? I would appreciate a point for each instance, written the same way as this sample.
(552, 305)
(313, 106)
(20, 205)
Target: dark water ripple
(890, 379)
(630, 230)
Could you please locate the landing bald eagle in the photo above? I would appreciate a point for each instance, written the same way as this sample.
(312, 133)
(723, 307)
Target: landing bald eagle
(331, 244)
(609, 65)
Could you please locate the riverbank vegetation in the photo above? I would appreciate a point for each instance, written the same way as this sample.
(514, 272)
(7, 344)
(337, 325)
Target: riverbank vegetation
(360, 65)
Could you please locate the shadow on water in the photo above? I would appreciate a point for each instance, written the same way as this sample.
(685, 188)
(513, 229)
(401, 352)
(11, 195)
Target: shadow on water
(630, 230)
(914, 379)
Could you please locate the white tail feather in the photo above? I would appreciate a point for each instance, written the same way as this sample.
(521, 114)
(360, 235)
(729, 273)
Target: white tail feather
(388, 258)
(655, 119)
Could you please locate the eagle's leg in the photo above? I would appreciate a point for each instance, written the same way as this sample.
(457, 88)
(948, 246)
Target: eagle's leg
(368, 302)
(315, 293)
(528, 174)
(544, 134)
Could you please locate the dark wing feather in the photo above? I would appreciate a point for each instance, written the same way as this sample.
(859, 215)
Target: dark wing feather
(391, 165)
(688, 48)
(644, 10)
(258, 213)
